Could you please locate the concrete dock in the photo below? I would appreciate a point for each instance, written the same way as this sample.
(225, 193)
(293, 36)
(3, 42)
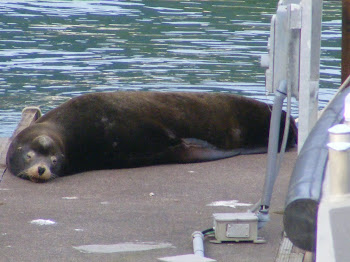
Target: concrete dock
(138, 214)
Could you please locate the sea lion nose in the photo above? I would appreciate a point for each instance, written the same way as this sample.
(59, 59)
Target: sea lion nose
(41, 170)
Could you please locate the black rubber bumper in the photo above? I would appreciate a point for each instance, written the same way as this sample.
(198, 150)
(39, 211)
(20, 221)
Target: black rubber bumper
(305, 186)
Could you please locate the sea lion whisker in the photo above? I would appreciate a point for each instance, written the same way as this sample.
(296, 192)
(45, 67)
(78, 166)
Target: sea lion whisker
(23, 175)
(53, 176)
(3, 173)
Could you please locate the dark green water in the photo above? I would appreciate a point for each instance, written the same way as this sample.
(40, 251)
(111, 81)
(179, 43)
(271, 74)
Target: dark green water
(53, 50)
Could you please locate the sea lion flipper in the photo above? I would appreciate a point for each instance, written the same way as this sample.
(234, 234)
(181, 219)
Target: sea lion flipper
(197, 150)
(250, 151)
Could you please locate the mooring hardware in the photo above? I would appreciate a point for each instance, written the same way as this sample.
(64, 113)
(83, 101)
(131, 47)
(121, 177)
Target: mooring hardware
(236, 227)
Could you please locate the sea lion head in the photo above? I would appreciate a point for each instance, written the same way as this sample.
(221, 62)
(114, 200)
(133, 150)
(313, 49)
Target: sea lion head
(36, 157)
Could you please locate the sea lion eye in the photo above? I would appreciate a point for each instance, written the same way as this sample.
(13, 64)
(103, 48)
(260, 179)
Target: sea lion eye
(29, 156)
(54, 160)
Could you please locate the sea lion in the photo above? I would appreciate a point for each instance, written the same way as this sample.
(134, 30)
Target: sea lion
(129, 129)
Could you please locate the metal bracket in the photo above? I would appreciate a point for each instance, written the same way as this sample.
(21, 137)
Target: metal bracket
(282, 61)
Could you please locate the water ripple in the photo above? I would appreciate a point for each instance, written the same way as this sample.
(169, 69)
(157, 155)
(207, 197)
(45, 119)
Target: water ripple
(53, 50)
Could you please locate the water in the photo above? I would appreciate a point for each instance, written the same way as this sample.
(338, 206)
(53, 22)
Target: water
(51, 51)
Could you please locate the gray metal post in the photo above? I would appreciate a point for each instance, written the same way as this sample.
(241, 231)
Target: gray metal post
(294, 55)
(309, 67)
(272, 171)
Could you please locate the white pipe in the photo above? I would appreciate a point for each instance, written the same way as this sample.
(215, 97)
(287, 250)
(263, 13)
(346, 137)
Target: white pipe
(339, 168)
(198, 247)
(339, 133)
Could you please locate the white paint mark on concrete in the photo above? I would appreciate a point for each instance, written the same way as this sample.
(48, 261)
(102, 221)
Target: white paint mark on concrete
(122, 247)
(105, 203)
(43, 222)
(187, 258)
(70, 198)
(79, 230)
(229, 203)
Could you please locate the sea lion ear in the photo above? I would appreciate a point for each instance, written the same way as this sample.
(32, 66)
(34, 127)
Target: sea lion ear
(43, 143)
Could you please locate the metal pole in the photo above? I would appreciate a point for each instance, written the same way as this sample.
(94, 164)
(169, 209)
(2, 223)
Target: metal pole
(309, 67)
(271, 170)
(345, 56)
